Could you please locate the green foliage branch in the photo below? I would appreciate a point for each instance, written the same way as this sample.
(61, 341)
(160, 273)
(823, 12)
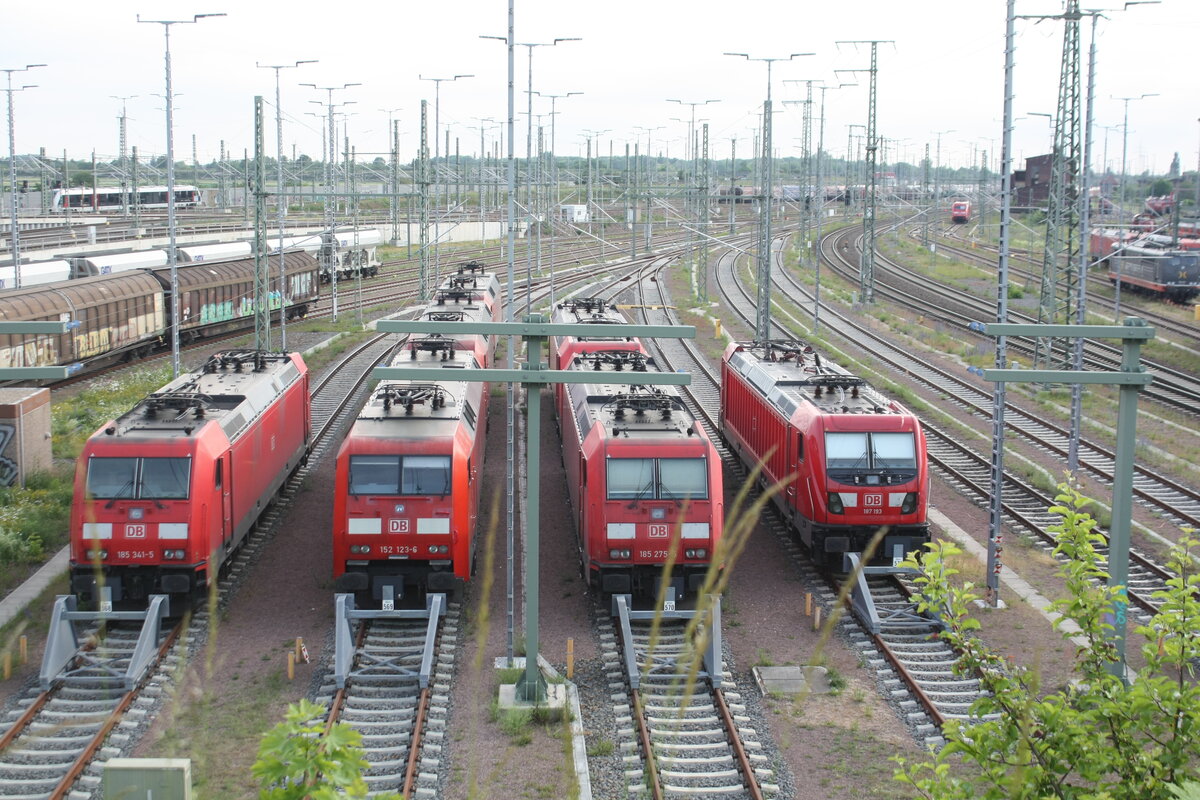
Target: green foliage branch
(1099, 738)
(299, 760)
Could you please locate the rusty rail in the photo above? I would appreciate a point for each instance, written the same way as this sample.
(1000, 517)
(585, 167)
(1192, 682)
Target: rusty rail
(735, 741)
(85, 757)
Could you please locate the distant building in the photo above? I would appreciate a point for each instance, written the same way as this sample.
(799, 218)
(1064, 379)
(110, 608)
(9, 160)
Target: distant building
(1031, 186)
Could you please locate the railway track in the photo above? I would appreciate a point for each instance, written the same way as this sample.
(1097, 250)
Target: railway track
(913, 667)
(1158, 493)
(1172, 388)
(1099, 303)
(681, 743)
(1024, 507)
(402, 722)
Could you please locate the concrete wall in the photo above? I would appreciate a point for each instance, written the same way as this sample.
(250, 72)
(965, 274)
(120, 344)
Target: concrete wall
(24, 434)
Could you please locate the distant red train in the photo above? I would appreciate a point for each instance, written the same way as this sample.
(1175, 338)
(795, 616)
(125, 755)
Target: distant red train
(165, 494)
(406, 502)
(1103, 241)
(852, 460)
(641, 473)
(960, 211)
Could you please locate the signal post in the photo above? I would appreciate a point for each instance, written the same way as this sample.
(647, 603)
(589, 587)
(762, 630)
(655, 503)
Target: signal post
(534, 330)
(1130, 379)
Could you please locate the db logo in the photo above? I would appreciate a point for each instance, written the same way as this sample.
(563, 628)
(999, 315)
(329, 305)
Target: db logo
(872, 499)
(397, 526)
(135, 531)
(659, 532)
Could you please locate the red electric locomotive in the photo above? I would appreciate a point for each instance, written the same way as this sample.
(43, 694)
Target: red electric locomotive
(853, 460)
(960, 211)
(641, 472)
(406, 502)
(165, 493)
(586, 311)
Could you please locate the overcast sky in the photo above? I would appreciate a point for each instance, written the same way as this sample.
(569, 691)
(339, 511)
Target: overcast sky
(942, 71)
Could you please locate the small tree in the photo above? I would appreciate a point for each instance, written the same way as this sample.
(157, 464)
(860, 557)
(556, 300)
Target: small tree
(1099, 738)
(298, 761)
(1160, 188)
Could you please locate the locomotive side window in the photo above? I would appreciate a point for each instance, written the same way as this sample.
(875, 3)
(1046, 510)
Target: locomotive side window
(845, 450)
(110, 478)
(165, 478)
(630, 478)
(374, 474)
(893, 451)
(425, 475)
(682, 478)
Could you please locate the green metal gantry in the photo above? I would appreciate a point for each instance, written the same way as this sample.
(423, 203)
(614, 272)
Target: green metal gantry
(1130, 378)
(534, 329)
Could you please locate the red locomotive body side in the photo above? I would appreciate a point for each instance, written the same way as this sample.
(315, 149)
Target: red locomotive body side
(852, 461)
(640, 473)
(406, 503)
(166, 493)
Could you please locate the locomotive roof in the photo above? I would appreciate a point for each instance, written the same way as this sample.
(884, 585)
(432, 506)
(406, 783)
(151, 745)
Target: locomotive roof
(623, 406)
(233, 388)
(410, 403)
(796, 374)
(1142, 249)
(589, 311)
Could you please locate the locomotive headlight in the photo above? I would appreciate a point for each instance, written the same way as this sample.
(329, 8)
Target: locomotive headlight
(94, 554)
(835, 503)
(174, 555)
(618, 554)
(910, 503)
(689, 553)
(701, 553)
(360, 549)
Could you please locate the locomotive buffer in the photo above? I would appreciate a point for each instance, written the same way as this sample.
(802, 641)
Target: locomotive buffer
(535, 330)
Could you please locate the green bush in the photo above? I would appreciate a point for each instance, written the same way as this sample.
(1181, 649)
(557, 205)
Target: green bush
(1099, 738)
(34, 519)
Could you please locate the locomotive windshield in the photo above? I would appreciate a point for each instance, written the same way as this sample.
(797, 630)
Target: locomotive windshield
(657, 478)
(845, 450)
(400, 475)
(683, 478)
(111, 477)
(880, 452)
(893, 451)
(139, 478)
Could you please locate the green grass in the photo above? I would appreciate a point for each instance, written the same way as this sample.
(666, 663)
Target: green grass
(71, 423)
(212, 730)
(34, 519)
(603, 747)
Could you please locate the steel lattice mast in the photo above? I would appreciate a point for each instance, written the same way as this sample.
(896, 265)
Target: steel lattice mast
(262, 284)
(866, 272)
(423, 181)
(702, 219)
(1063, 236)
(866, 275)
